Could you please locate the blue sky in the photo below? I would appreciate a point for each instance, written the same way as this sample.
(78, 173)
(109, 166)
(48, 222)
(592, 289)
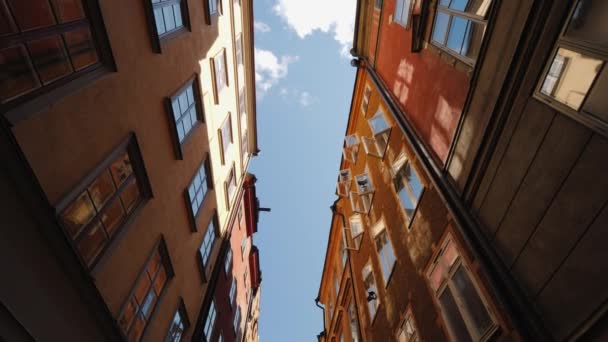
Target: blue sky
(304, 84)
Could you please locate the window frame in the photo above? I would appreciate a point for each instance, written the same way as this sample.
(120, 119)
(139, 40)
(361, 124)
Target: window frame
(158, 40)
(204, 265)
(161, 248)
(211, 311)
(228, 260)
(210, 15)
(586, 49)
(459, 262)
(36, 100)
(351, 151)
(373, 146)
(367, 95)
(372, 315)
(231, 176)
(353, 322)
(193, 81)
(232, 293)
(183, 313)
(130, 146)
(382, 258)
(408, 317)
(193, 217)
(220, 56)
(408, 20)
(225, 147)
(407, 187)
(236, 321)
(464, 15)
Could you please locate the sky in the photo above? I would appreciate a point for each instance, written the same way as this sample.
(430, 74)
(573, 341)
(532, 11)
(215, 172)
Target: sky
(304, 85)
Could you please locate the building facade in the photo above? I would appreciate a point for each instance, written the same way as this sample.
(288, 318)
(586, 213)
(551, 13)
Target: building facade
(133, 150)
(470, 205)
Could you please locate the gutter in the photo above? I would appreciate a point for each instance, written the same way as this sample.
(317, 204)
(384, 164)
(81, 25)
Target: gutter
(253, 138)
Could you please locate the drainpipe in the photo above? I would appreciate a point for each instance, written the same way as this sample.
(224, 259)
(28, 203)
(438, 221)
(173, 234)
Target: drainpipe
(322, 333)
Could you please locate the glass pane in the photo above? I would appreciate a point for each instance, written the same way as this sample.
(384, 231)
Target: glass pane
(148, 304)
(101, 189)
(458, 30)
(160, 22)
(478, 7)
(32, 14)
(436, 277)
(459, 5)
(130, 195)
(160, 281)
(112, 217)
(183, 102)
(472, 39)
(137, 329)
(449, 254)
(121, 169)
(406, 201)
(169, 19)
(441, 26)
(588, 22)
(597, 102)
(142, 288)
(415, 183)
(474, 307)
(573, 79)
(68, 10)
(378, 123)
(444, 2)
(193, 118)
(78, 214)
(81, 48)
(49, 58)
(155, 264)
(190, 95)
(127, 315)
(453, 318)
(181, 134)
(91, 242)
(177, 12)
(17, 77)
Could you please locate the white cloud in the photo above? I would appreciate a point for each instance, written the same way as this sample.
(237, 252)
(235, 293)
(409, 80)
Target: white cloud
(269, 69)
(305, 99)
(329, 16)
(261, 27)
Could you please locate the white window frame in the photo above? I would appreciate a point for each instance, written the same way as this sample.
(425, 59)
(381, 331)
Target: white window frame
(399, 167)
(351, 148)
(403, 12)
(351, 236)
(372, 306)
(378, 144)
(458, 263)
(387, 265)
(367, 94)
(408, 330)
(344, 183)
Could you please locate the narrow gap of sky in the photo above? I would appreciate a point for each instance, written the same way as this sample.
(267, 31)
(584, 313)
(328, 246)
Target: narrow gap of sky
(304, 88)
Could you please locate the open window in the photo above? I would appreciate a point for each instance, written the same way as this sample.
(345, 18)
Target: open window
(353, 233)
(407, 185)
(365, 102)
(344, 183)
(351, 148)
(361, 198)
(376, 146)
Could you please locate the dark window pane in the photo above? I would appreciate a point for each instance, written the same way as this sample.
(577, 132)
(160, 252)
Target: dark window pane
(142, 288)
(101, 189)
(155, 263)
(588, 22)
(32, 14)
(50, 59)
(68, 10)
(112, 217)
(78, 214)
(5, 20)
(148, 304)
(597, 102)
(441, 26)
(452, 317)
(81, 48)
(121, 169)
(91, 242)
(130, 196)
(480, 318)
(472, 39)
(137, 329)
(458, 31)
(160, 281)
(16, 76)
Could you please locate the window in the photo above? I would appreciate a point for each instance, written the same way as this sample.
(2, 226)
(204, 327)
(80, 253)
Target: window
(239, 49)
(232, 291)
(184, 113)
(408, 331)
(170, 16)
(385, 253)
(458, 297)
(178, 325)
(141, 303)
(228, 261)
(330, 311)
(103, 203)
(361, 200)
(220, 74)
(225, 135)
(210, 322)
(45, 46)
(230, 186)
(378, 4)
(344, 253)
(459, 27)
(351, 148)
(237, 321)
(243, 246)
(353, 324)
(576, 80)
(377, 145)
(337, 284)
(344, 183)
(365, 102)
(207, 246)
(197, 190)
(407, 185)
(356, 229)
(403, 10)
(370, 286)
